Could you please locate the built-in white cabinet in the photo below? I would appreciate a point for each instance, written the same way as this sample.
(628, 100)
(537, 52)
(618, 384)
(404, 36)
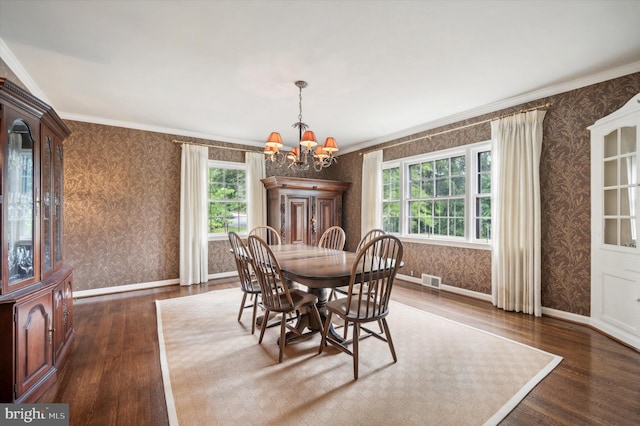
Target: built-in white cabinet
(615, 225)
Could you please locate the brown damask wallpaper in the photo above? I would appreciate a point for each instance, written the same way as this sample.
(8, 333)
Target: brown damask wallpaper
(565, 193)
(122, 200)
(122, 206)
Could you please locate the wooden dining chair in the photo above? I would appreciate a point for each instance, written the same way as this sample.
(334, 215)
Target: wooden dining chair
(267, 233)
(248, 282)
(333, 238)
(276, 297)
(370, 235)
(373, 273)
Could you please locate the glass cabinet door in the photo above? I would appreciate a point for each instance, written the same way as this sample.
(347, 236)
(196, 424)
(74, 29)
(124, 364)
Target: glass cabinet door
(19, 203)
(57, 203)
(47, 222)
(620, 186)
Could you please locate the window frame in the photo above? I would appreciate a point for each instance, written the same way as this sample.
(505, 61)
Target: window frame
(228, 165)
(470, 152)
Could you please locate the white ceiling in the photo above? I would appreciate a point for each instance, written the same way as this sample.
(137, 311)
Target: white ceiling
(225, 70)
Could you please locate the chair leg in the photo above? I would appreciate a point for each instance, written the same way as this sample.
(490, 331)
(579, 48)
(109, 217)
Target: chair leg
(356, 339)
(244, 299)
(325, 329)
(255, 313)
(346, 328)
(265, 320)
(388, 336)
(283, 328)
(316, 313)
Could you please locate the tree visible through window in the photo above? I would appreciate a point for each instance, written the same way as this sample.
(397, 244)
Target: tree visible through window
(391, 199)
(227, 198)
(444, 194)
(483, 196)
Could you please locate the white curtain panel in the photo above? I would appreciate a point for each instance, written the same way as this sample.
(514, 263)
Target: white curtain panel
(371, 209)
(515, 263)
(194, 178)
(256, 194)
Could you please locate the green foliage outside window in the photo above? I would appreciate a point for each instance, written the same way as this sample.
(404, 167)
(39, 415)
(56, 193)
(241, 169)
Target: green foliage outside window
(227, 200)
(437, 190)
(391, 199)
(440, 197)
(483, 199)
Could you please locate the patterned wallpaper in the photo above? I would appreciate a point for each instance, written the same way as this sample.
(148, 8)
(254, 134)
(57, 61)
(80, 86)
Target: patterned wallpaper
(122, 200)
(565, 193)
(122, 206)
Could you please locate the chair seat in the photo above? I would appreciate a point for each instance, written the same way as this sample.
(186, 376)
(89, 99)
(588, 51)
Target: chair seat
(339, 306)
(299, 299)
(255, 287)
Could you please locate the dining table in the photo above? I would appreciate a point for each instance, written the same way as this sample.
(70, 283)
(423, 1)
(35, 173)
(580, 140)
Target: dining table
(319, 269)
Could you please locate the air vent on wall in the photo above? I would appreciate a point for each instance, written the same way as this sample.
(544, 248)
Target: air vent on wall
(431, 281)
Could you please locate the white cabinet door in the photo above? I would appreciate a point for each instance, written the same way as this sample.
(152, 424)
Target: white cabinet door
(615, 224)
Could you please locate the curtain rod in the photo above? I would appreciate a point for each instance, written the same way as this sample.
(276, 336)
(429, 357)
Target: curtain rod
(547, 105)
(216, 146)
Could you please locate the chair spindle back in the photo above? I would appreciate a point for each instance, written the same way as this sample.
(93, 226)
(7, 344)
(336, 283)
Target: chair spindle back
(269, 275)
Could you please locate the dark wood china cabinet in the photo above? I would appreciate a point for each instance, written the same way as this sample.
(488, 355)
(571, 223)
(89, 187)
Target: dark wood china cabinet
(302, 209)
(36, 289)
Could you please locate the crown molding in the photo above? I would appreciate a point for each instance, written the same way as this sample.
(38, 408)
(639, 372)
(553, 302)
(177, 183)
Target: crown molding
(158, 129)
(500, 105)
(13, 63)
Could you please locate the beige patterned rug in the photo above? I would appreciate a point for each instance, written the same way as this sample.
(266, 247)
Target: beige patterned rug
(215, 373)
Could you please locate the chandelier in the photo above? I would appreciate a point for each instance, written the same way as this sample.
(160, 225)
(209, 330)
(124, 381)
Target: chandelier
(308, 153)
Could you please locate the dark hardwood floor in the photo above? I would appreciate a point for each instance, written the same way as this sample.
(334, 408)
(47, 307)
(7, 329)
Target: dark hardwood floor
(112, 376)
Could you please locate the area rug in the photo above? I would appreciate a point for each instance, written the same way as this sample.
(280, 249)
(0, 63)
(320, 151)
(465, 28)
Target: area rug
(216, 373)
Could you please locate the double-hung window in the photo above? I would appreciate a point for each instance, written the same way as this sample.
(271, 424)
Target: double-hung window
(443, 195)
(227, 196)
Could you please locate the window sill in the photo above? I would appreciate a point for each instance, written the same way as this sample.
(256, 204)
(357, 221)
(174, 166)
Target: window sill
(447, 243)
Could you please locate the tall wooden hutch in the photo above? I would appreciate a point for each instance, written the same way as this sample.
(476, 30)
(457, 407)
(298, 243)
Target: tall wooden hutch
(302, 209)
(36, 315)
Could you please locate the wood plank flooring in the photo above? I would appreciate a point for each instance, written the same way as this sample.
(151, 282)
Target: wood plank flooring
(112, 376)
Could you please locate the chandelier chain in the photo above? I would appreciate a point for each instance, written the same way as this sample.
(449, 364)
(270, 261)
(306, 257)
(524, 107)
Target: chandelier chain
(300, 105)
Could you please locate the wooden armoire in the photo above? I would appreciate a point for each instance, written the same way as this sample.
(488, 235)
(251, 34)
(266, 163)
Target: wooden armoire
(302, 209)
(36, 291)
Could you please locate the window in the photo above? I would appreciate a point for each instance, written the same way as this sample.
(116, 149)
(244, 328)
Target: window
(227, 198)
(391, 199)
(443, 195)
(482, 195)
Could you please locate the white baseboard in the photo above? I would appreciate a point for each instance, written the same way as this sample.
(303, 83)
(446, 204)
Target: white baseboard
(568, 316)
(581, 319)
(449, 288)
(555, 313)
(142, 286)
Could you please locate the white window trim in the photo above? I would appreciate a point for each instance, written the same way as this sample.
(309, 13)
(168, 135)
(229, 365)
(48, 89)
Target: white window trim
(470, 151)
(226, 165)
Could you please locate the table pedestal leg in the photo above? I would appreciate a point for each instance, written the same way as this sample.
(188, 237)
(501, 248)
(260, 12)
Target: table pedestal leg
(307, 320)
